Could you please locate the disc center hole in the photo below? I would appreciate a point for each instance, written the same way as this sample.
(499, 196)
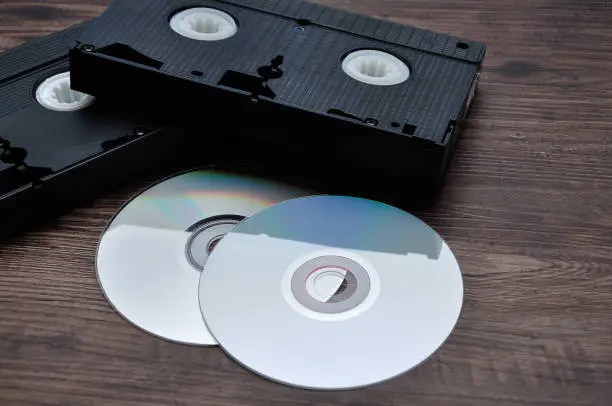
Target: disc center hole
(205, 236)
(326, 283)
(212, 244)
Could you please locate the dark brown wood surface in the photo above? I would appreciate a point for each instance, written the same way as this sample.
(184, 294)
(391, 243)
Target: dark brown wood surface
(527, 211)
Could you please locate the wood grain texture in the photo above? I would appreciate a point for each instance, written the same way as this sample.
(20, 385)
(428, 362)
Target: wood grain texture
(526, 210)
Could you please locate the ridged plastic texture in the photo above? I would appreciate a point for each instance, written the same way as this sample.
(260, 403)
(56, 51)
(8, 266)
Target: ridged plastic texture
(56, 140)
(37, 53)
(131, 11)
(370, 27)
(49, 158)
(288, 56)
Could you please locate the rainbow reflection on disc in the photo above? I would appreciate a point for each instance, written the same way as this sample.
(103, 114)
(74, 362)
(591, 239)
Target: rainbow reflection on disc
(331, 292)
(153, 252)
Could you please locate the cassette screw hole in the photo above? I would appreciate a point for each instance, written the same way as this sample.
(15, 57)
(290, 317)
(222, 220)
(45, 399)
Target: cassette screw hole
(462, 45)
(409, 129)
(371, 121)
(297, 28)
(88, 48)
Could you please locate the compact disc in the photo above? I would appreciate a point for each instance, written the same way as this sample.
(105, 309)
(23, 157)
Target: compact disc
(331, 292)
(152, 254)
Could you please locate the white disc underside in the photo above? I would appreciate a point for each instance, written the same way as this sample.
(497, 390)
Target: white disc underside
(402, 300)
(142, 262)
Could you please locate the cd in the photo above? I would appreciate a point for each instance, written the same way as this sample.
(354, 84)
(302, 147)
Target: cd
(331, 292)
(152, 253)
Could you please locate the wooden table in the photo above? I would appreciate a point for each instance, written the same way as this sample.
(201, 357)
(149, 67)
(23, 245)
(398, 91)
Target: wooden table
(527, 211)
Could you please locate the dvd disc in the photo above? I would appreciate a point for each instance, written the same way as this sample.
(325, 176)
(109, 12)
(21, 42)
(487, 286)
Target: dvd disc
(152, 254)
(331, 292)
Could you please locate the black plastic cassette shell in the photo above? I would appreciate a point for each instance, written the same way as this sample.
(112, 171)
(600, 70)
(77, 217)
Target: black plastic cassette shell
(37, 53)
(407, 130)
(50, 161)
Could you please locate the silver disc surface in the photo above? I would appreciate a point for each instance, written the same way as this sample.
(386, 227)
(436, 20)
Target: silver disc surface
(152, 254)
(331, 292)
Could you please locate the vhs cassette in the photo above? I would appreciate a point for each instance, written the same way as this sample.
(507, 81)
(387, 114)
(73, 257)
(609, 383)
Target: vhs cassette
(337, 87)
(59, 146)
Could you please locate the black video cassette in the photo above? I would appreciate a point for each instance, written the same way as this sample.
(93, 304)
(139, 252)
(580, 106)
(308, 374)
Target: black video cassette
(340, 88)
(59, 146)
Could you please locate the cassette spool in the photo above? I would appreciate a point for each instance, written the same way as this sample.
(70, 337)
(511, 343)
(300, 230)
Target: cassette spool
(340, 88)
(59, 146)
